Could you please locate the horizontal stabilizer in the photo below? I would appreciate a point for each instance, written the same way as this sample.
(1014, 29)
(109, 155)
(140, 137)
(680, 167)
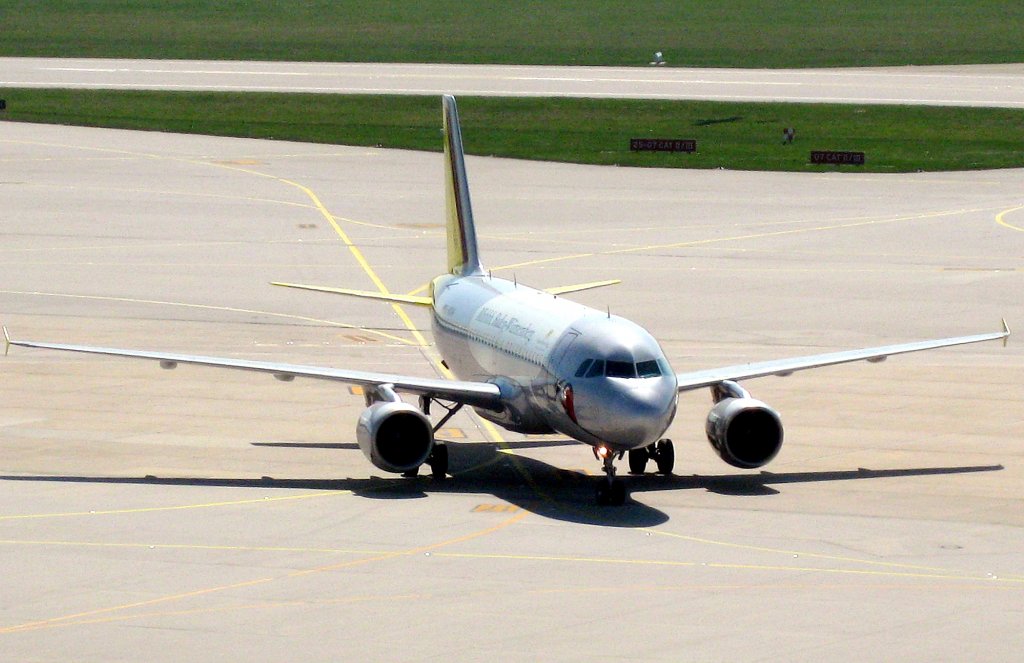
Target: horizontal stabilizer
(398, 299)
(561, 290)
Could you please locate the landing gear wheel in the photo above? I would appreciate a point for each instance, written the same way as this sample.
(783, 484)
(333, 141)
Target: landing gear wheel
(665, 456)
(611, 494)
(638, 460)
(438, 461)
(412, 474)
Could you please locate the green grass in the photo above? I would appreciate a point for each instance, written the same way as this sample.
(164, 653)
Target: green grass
(729, 135)
(729, 33)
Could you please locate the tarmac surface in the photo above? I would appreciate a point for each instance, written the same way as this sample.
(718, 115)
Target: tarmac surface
(969, 85)
(210, 515)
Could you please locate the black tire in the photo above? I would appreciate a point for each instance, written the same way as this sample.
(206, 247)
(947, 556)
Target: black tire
(638, 460)
(439, 461)
(665, 457)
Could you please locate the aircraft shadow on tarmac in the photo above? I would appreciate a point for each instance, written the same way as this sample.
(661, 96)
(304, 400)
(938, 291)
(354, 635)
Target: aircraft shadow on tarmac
(530, 484)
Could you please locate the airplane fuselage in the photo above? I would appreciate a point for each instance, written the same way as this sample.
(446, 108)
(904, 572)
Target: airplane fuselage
(561, 366)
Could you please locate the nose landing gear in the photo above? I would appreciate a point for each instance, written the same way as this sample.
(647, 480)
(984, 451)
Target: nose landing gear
(610, 491)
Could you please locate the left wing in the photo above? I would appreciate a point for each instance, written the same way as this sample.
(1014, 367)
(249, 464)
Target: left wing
(476, 394)
(782, 367)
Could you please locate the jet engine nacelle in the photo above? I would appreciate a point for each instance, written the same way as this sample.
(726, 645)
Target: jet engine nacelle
(745, 432)
(395, 436)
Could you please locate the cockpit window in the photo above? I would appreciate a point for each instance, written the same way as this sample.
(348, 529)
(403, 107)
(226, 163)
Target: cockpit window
(648, 369)
(595, 368)
(621, 369)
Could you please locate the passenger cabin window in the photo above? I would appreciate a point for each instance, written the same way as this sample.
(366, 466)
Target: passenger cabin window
(582, 370)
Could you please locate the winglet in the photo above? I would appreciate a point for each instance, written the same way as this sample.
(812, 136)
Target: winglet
(1006, 332)
(7, 341)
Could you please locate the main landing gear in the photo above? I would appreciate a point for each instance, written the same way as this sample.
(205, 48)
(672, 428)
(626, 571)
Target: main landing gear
(661, 452)
(438, 458)
(437, 461)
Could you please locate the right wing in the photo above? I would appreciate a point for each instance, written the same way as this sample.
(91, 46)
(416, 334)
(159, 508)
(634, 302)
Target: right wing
(477, 394)
(783, 367)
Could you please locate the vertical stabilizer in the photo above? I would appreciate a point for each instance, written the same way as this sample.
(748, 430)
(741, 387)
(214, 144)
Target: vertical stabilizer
(462, 252)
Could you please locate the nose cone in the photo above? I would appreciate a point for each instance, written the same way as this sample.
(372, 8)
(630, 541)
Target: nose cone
(631, 413)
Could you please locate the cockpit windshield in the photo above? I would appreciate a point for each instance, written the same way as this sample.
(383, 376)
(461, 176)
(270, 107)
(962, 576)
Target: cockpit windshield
(621, 369)
(648, 369)
(592, 368)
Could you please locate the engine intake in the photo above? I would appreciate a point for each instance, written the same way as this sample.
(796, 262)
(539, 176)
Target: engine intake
(745, 432)
(395, 436)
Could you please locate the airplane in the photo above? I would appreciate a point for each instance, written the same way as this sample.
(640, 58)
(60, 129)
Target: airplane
(536, 363)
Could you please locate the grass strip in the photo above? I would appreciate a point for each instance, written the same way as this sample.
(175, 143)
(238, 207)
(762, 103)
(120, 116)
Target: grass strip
(743, 136)
(725, 33)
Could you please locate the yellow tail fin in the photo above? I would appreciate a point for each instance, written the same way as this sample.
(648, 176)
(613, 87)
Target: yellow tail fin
(462, 250)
